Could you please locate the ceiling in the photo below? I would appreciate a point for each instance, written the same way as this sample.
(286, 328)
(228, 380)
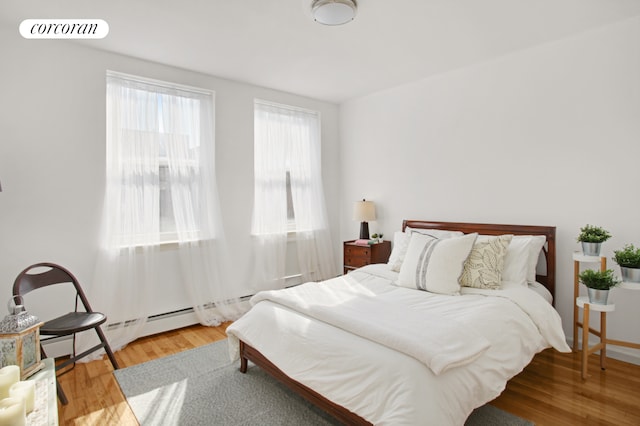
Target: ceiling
(276, 44)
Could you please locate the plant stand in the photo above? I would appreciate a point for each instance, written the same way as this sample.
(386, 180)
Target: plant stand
(582, 302)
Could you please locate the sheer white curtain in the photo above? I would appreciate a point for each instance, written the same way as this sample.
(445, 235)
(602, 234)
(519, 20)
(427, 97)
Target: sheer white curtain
(161, 189)
(289, 202)
(202, 249)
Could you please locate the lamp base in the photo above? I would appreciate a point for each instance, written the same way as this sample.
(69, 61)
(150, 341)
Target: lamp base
(364, 230)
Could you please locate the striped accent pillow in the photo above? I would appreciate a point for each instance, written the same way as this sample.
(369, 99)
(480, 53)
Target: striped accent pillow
(435, 265)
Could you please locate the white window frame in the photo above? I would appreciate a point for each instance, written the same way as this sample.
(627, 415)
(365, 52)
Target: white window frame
(167, 237)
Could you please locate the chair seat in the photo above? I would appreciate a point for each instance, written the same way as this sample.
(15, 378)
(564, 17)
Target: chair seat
(73, 322)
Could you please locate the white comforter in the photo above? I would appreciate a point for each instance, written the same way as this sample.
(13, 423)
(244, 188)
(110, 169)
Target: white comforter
(377, 372)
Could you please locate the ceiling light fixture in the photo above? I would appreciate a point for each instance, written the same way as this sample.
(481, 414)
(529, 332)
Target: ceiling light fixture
(333, 12)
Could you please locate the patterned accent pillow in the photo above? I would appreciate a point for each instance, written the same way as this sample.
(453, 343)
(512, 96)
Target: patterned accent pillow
(483, 268)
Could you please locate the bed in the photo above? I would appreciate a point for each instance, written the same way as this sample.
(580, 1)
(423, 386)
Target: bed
(373, 347)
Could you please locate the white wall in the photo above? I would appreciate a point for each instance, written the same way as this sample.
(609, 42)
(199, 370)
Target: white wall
(545, 136)
(52, 157)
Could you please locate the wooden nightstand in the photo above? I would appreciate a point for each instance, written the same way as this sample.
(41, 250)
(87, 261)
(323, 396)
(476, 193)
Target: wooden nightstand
(356, 256)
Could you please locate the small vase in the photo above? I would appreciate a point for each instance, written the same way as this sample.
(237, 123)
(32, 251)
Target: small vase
(591, 249)
(598, 297)
(630, 275)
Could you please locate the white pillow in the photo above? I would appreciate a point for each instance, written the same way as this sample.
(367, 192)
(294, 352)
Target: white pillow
(435, 233)
(435, 265)
(483, 268)
(522, 258)
(400, 244)
(535, 246)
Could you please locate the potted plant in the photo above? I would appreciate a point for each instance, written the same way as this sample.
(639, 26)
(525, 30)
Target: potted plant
(377, 238)
(592, 238)
(629, 260)
(598, 284)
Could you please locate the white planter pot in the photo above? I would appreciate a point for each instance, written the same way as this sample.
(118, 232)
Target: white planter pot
(630, 275)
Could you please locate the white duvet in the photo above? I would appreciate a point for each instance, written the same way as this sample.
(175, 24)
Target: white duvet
(401, 370)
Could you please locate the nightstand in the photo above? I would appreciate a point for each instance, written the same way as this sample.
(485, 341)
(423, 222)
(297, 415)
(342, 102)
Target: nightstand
(356, 256)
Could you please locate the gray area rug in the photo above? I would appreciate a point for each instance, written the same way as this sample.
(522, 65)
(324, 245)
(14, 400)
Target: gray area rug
(202, 387)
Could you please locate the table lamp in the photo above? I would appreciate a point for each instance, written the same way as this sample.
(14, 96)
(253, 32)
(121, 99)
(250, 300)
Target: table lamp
(364, 212)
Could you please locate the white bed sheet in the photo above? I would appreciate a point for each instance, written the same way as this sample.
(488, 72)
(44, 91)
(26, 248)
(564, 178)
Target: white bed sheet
(387, 387)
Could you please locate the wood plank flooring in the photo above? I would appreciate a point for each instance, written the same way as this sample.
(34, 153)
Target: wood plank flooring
(548, 392)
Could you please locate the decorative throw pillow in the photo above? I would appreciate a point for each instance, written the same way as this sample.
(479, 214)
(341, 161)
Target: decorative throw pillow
(521, 259)
(483, 267)
(435, 265)
(399, 250)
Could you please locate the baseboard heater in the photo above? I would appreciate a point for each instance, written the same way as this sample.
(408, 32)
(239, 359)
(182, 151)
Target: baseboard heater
(158, 323)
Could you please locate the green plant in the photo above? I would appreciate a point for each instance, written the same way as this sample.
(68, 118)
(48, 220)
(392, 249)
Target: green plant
(375, 236)
(599, 280)
(593, 234)
(629, 256)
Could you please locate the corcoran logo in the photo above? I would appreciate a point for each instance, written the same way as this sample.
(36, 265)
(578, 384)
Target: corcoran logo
(64, 28)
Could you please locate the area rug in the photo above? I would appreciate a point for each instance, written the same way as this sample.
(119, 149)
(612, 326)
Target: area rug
(202, 387)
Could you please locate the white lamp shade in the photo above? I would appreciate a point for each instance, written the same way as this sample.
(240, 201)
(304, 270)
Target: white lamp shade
(333, 12)
(364, 211)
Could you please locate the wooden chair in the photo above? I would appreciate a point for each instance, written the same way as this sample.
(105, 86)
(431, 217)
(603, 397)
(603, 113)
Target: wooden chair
(68, 324)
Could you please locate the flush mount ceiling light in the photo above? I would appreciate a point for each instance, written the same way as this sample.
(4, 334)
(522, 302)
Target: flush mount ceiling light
(333, 12)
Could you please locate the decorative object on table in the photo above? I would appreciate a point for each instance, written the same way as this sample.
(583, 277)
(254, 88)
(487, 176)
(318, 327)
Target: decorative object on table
(9, 376)
(12, 412)
(25, 390)
(628, 258)
(598, 284)
(591, 237)
(20, 339)
(364, 212)
(363, 242)
(377, 238)
(333, 12)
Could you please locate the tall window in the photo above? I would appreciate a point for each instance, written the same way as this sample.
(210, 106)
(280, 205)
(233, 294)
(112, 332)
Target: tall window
(156, 132)
(160, 187)
(287, 160)
(289, 197)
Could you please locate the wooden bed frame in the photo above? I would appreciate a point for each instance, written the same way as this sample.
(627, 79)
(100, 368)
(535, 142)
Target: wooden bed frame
(248, 353)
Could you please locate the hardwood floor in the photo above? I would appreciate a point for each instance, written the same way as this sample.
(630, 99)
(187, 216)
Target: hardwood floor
(548, 392)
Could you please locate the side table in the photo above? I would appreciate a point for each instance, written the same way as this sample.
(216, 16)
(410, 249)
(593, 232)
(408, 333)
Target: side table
(45, 412)
(356, 256)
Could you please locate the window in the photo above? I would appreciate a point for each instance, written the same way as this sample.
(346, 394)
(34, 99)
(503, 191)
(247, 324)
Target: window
(157, 136)
(287, 163)
(290, 229)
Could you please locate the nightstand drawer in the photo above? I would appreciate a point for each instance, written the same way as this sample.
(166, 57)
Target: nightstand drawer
(355, 251)
(356, 261)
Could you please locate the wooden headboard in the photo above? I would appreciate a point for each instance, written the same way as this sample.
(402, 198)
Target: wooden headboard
(549, 250)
